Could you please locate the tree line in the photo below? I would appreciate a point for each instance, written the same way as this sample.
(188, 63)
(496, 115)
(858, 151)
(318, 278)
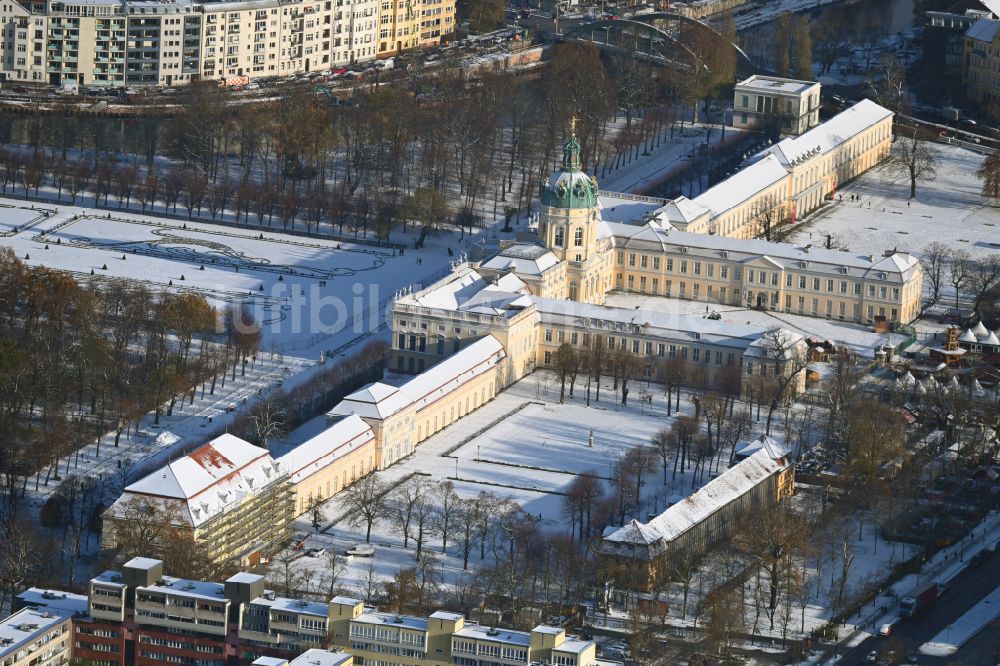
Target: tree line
(378, 162)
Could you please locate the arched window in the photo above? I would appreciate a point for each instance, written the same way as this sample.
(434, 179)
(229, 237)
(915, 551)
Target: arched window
(578, 237)
(559, 237)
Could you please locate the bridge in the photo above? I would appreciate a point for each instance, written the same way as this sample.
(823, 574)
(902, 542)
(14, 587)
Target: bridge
(661, 38)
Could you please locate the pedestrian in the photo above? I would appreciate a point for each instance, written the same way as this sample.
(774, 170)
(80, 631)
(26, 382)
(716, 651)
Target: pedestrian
(907, 203)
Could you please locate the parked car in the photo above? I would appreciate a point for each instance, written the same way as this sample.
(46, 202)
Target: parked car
(316, 552)
(361, 550)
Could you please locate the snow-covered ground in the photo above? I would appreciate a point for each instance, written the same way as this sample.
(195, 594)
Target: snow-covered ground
(523, 446)
(645, 171)
(948, 209)
(302, 290)
(859, 339)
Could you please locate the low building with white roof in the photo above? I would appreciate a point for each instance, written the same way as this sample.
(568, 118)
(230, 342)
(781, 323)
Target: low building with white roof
(451, 387)
(635, 552)
(227, 495)
(786, 181)
(792, 105)
(327, 463)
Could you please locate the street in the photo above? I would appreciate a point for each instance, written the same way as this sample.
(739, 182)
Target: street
(963, 592)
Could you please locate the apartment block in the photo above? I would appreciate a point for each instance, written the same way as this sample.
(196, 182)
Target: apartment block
(33, 636)
(140, 616)
(981, 74)
(144, 42)
(389, 639)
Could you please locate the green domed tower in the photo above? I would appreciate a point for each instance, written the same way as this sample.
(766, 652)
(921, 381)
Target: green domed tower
(570, 187)
(570, 226)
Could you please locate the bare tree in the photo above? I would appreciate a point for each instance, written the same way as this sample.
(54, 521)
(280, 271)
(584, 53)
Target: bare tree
(267, 422)
(366, 503)
(406, 502)
(790, 360)
(984, 274)
(935, 261)
(888, 83)
(959, 265)
(913, 158)
(448, 507)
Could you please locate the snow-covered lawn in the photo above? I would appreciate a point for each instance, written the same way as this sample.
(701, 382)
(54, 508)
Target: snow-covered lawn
(12, 217)
(301, 289)
(514, 448)
(859, 339)
(948, 209)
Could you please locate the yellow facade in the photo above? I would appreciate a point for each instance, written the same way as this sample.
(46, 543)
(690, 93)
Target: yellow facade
(792, 178)
(981, 74)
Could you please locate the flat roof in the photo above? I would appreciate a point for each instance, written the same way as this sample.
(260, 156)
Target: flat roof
(188, 588)
(300, 606)
(145, 563)
(244, 577)
(109, 577)
(317, 657)
(776, 84)
(393, 620)
(509, 636)
(54, 600)
(24, 626)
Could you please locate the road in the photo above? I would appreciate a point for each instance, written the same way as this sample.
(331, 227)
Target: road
(963, 592)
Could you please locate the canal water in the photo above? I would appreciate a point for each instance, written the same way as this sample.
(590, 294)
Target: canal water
(888, 16)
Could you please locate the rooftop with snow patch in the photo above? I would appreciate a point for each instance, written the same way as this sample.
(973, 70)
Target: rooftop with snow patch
(210, 479)
(692, 510)
(776, 85)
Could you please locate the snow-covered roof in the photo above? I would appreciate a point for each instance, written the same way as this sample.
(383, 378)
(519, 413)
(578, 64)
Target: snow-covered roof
(196, 589)
(375, 401)
(979, 330)
(774, 84)
(573, 646)
(296, 606)
(826, 136)
(380, 401)
(983, 30)
(742, 185)
(681, 211)
(209, 480)
(668, 326)
(318, 657)
(655, 236)
(391, 619)
(19, 630)
(522, 258)
(622, 207)
(775, 450)
(467, 291)
(692, 510)
(480, 632)
(445, 615)
(53, 600)
(316, 453)
(968, 336)
(459, 368)
(991, 339)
